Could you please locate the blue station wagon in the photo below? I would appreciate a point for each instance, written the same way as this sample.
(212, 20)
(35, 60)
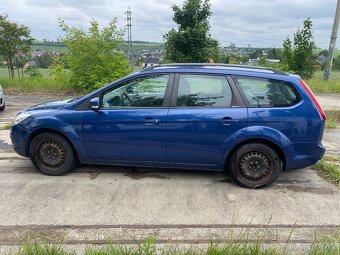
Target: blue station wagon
(251, 122)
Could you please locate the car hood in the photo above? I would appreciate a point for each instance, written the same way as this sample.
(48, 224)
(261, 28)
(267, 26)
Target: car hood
(56, 105)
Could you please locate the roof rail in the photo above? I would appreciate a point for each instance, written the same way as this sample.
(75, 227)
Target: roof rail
(216, 66)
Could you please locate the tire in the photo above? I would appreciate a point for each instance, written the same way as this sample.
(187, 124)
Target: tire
(2, 108)
(52, 154)
(255, 165)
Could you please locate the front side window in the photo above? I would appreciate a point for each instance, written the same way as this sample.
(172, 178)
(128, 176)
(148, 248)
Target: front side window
(146, 91)
(203, 91)
(268, 93)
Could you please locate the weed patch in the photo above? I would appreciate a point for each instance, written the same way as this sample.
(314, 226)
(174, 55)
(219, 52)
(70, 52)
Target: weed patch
(330, 169)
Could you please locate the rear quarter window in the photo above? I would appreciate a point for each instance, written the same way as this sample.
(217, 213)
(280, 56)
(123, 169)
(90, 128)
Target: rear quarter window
(260, 92)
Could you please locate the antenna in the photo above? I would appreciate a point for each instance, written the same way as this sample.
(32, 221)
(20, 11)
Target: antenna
(129, 31)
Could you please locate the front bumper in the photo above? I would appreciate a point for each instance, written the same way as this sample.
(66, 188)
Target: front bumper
(20, 138)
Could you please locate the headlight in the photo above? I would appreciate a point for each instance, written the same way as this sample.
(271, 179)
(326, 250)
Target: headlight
(21, 117)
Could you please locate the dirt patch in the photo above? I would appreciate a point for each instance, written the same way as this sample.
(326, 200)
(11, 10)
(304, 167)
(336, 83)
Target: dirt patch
(94, 175)
(138, 175)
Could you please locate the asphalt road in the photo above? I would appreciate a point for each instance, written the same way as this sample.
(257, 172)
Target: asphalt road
(126, 204)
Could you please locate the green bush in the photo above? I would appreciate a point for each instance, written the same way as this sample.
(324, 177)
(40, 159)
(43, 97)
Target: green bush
(93, 57)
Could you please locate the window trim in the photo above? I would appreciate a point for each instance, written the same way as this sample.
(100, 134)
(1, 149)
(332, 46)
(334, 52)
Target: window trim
(166, 101)
(237, 100)
(245, 99)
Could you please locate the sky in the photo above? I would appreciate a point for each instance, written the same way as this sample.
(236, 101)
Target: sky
(259, 23)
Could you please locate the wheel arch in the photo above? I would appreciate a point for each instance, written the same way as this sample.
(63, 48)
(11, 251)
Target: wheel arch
(269, 143)
(50, 130)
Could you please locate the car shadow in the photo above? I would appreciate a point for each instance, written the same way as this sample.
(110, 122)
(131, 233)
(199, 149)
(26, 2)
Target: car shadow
(139, 173)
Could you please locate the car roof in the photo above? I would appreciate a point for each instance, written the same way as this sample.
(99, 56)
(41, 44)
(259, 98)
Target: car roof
(214, 67)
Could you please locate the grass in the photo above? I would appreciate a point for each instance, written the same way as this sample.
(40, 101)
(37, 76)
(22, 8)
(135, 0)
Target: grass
(327, 246)
(38, 85)
(333, 118)
(47, 85)
(35, 248)
(329, 168)
(320, 86)
(331, 124)
(333, 115)
(33, 85)
(6, 126)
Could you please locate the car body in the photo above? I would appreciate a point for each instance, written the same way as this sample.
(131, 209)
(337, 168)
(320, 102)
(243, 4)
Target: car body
(2, 99)
(254, 122)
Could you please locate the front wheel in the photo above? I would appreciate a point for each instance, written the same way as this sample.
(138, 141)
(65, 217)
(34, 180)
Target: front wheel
(255, 165)
(52, 154)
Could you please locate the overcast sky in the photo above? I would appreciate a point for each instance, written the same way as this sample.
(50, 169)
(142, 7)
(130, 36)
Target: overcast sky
(260, 23)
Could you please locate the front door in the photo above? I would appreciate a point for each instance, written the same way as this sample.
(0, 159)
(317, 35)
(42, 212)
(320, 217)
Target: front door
(202, 121)
(130, 124)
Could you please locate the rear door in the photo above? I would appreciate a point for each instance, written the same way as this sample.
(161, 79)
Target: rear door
(277, 105)
(204, 115)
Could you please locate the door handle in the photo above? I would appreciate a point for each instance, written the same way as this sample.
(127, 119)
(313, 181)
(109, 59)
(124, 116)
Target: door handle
(150, 121)
(228, 120)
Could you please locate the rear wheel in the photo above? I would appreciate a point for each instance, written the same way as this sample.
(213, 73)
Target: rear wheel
(52, 154)
(255, 165)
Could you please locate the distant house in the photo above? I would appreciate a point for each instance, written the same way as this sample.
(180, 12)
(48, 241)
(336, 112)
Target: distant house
(272, 61)
(321, 59)
(37, 53)
(30, 64)
(153, 61)
(254, 61)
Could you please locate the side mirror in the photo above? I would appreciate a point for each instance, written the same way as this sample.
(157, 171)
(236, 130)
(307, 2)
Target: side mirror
(94, 104)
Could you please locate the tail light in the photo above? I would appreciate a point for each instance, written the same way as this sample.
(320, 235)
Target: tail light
(316, 103)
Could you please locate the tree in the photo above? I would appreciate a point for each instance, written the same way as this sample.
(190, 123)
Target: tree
(336, 63)
(300, 57)
(287, 54)
(13, 38)
(274, 53)
(45, 60)
(304, 45)
(323, 53)
(256, 54)
(192, 41)
(93, 57)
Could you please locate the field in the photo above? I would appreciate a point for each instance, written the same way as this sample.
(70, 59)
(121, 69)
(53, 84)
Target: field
(336, 52)
(138, 47)
(40, 85)
(320, 86)
(47, 85)
(49, 48)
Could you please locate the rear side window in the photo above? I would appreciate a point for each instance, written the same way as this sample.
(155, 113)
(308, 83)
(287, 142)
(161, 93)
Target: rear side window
(203, 91)
(268, 93)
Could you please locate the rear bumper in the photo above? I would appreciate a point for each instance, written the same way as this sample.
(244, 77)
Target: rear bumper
(300, 155)
(20, 137)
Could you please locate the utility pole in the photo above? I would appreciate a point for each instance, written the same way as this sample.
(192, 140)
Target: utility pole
(332, 42)
(129, 31)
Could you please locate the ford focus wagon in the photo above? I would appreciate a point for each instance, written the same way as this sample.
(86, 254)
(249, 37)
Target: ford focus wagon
(251, 122)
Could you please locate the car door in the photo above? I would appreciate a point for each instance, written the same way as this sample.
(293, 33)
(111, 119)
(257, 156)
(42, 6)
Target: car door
(204, 115)
(130, 124)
